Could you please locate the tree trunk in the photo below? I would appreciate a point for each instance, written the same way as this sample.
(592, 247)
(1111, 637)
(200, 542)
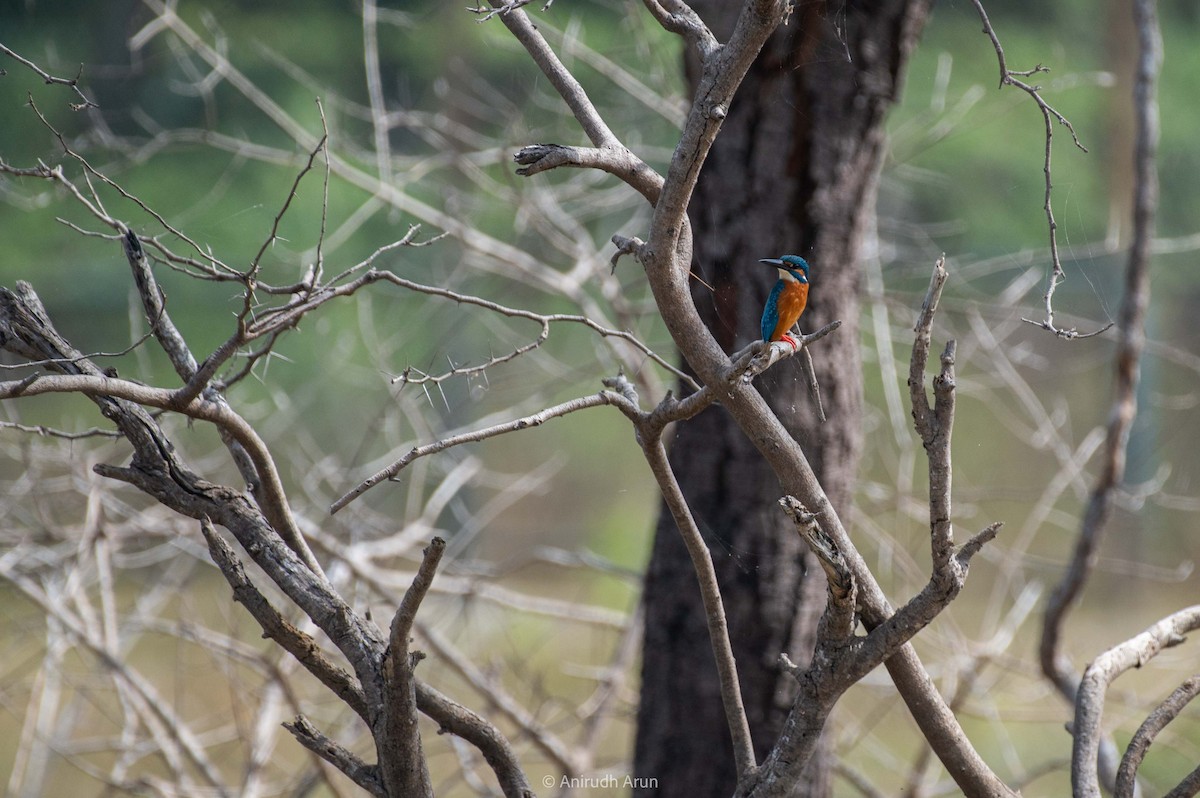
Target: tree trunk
(794, 171)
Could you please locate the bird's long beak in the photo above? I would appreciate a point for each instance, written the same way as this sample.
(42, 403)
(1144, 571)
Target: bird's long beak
(776, 262)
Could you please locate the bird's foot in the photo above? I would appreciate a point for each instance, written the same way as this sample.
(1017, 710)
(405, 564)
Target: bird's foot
(790, 340)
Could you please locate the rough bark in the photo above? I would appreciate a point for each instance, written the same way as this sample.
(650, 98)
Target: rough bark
(794, 171)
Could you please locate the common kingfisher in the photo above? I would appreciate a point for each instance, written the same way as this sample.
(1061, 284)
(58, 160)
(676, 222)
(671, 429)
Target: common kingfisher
(787, 300)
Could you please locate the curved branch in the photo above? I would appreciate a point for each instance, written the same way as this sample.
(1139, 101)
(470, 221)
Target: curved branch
(682, 20)
(608, 153)
(1157, 720)
(462, 722)
(1089, 703)
(616, 160)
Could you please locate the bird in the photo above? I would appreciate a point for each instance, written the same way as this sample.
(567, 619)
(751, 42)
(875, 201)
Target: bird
(787, 300)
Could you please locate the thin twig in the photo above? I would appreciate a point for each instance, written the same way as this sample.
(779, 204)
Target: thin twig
(50, 79)
(714, 610)
(90, 172)
(1050, 115)
(534, 420)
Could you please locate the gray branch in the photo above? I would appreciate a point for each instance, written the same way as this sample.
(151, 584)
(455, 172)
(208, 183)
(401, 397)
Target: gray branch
(1089, 703)
(1155, 722)
(402, 760)
(1054, 662)
(276, 627)
(342, 758)
(156, 469)
(666, 256)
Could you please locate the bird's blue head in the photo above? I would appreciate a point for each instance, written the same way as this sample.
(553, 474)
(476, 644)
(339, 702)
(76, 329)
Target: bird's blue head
(793, 265)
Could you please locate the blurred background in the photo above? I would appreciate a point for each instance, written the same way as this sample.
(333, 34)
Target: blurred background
(207, 118)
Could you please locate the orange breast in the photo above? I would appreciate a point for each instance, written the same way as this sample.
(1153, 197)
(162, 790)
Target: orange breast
(791, 304)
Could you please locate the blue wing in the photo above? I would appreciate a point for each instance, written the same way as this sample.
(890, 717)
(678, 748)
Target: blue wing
(770, 317)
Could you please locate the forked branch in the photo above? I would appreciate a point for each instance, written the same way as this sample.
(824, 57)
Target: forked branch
(666, 256)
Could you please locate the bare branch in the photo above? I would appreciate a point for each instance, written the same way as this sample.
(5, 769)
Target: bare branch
(685, 22)
(839, 620)
(96, 210)
(26, 330)
(920, 354)
(608, 153)
(178, 352)
(345, 760)
(731, 695)
(615, 160)
(1050, 115)
(665, 257)
(252, 272)
(810, 379)
(464, 723)
(50, 432)
(500, 700)
(840, 659)
(1157, 720)
(501, 7)
(1054, 663)
(537, 419)
(722, 74)
(300, 645)
(1089, 703)
(83, 103)
(402, 760)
